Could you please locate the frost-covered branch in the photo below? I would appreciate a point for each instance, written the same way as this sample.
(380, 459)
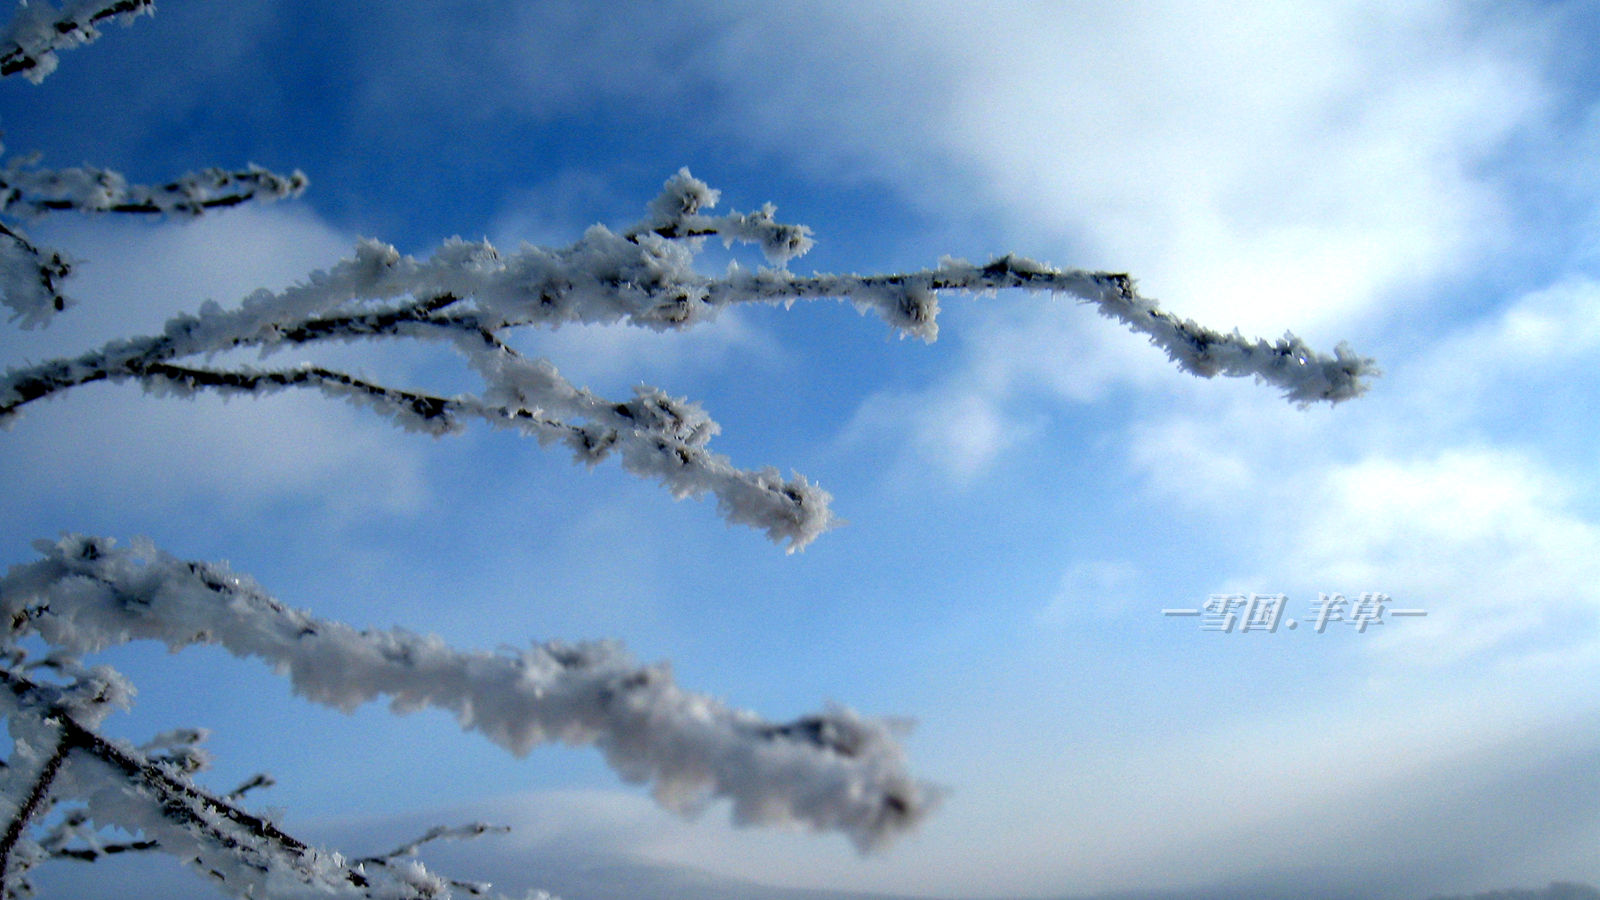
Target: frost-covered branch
(401, 855)
(60, 757)
(29, 191)
(655, 435)
(37, 30)
(254, 782)
(831, 771)
(469, 293)
(437, 833)
(31, 277)
(76, 826)
(242, 853)
(35, 801)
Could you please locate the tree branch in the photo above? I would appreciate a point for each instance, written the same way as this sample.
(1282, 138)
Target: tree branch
(254, 782)
(30, 279)
(245, 853)
(832, 770)
(31, 806)
(28, 191)
(38, 30)
(96, 853)
(469, 293)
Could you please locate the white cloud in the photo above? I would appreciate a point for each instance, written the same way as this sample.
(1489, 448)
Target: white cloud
(955, 432)
(1482, 538)
(151, 453)
(1517, 357)
(1013, 352)
(1489, 537)
(1102, 585)
(1272, 166)
(1462, 509)
(1194, 462)
(1267, 167)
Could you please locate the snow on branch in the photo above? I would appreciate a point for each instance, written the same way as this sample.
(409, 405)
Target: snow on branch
(59, 757)
(656, 435)
(30, 279)
(28, 191)
(830, 771)
(37, 30)
(76, 826)
(676, 214)
(469, 293)
(436, 833)
(31, 276)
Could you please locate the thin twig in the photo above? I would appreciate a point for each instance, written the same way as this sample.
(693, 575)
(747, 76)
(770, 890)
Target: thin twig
(36, 799)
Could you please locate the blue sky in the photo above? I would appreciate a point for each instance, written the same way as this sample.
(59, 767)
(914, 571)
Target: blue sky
(1023, 497)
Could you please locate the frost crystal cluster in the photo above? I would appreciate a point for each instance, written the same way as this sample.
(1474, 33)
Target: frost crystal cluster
(65, 784)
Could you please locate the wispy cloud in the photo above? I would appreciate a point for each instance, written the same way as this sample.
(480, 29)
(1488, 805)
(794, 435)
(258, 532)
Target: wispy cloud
(1421, 491)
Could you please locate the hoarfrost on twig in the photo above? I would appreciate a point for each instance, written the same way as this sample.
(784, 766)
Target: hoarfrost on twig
(469, 294)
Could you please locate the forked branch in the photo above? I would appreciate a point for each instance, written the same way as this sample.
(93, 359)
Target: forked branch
(469, 294)
(243, 853)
